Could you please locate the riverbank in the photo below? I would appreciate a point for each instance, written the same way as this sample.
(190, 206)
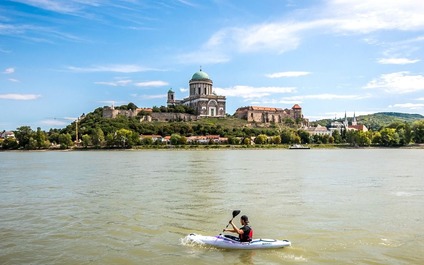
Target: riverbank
(225, 147)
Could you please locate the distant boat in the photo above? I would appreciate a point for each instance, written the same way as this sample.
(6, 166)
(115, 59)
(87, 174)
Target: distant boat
(298, 146)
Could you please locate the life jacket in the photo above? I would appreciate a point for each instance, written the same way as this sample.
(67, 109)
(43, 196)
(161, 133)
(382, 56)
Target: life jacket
(247, 234)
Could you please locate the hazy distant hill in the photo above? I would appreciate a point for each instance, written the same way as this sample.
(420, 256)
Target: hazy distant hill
(377, 120)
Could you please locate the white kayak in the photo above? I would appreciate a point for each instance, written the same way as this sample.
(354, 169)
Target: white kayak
(232, 242)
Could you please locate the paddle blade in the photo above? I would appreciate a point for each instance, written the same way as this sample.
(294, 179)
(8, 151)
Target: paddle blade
(236, 212)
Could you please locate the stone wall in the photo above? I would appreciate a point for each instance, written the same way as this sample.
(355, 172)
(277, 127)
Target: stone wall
(161, 116)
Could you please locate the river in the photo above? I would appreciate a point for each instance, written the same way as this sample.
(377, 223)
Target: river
(356, 206)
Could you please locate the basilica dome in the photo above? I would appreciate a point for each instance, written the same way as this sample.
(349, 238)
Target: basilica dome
(200, 75)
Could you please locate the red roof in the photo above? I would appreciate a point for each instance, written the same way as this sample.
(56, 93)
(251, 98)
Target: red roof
(296, 106)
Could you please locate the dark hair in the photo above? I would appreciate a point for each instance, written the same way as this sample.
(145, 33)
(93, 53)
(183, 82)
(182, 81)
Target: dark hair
(245, 218)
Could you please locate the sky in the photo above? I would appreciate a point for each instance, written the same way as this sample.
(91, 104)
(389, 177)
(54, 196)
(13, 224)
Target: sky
(62, 58)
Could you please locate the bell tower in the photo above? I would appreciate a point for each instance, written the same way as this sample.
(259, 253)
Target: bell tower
(171, 98)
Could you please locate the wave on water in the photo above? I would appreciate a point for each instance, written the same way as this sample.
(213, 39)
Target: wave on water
(191, 241)
(389, 242)
(403, 194)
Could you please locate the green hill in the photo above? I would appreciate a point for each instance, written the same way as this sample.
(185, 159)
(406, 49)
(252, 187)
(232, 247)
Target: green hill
(378, 120)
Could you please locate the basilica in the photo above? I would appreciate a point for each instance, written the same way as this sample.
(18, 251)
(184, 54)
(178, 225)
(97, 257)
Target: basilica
(206, 103)
(202, 98)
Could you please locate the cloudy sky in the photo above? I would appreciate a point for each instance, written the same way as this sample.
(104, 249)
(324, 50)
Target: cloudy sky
(62, 58)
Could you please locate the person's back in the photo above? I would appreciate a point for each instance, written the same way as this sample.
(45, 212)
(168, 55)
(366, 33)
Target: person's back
(247, 230)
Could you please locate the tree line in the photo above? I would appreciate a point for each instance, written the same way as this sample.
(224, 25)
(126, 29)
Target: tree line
(94, 131)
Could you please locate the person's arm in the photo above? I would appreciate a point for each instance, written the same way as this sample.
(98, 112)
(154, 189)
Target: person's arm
(235, 229)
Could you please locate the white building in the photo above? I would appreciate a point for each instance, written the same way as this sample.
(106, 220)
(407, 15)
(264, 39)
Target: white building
(201, 98)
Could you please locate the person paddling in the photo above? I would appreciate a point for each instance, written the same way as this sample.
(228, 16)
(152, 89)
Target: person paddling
(245, 232)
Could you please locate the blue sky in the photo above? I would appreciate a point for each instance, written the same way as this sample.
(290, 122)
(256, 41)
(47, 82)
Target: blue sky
(62, 58)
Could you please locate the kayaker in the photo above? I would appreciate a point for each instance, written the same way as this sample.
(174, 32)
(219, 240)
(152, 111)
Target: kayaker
(245, 232)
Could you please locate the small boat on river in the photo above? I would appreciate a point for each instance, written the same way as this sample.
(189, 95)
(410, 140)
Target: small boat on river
(298, 146)
(232, 242)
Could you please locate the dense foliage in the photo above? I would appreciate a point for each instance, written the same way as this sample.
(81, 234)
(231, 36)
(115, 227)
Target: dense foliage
(94, 131)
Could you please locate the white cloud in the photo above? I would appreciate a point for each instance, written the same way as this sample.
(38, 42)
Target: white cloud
(338, 16)
(397, 61)
(126, 82)
(397, 83)
(113, 102)
(287, 74)
(54, 122)
(369, 16)
(274, 101)
(52, 5)
(19, 96)
(185, 2)
(248, 92)
(204, 57)
(328, 96)
(152, 84)
(148, 97)
(153, 96)
(13, 80)
(123, 68)
(411, 106)
(115, 83)
(9, 70)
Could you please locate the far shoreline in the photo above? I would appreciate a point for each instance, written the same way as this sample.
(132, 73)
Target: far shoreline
(222, 147)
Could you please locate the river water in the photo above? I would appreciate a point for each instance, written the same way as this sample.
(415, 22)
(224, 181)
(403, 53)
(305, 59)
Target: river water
(361, 206)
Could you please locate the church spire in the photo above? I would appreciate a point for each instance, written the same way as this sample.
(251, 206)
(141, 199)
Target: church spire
(345, 122)
(354, 122)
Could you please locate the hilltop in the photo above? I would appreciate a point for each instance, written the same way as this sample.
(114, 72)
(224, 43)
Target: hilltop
(379, 120)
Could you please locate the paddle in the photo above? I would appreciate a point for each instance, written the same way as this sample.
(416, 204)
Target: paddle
(235, 213)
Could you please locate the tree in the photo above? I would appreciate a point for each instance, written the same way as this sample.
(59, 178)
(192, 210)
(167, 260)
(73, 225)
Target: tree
(110, 140)
(418, 132)
(23, 135)
(337, 136)
(362, 138)
(132, 106)
(289, 122)
(233, 140)
(304, 136)
(65, 140)
(286, 136)
(182, 140)
(41, 139)
(147, 141)
(276, 139)
(247, 141)
(376, 138)
(125, 138)
(53, 136)
(298, 140)
(261, 139)
(175, 139)
(389, 137)
(98, 137)
(9, 143)
(86, 140)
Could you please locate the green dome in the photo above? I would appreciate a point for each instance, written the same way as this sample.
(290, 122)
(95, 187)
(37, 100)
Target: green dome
(200, 75)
